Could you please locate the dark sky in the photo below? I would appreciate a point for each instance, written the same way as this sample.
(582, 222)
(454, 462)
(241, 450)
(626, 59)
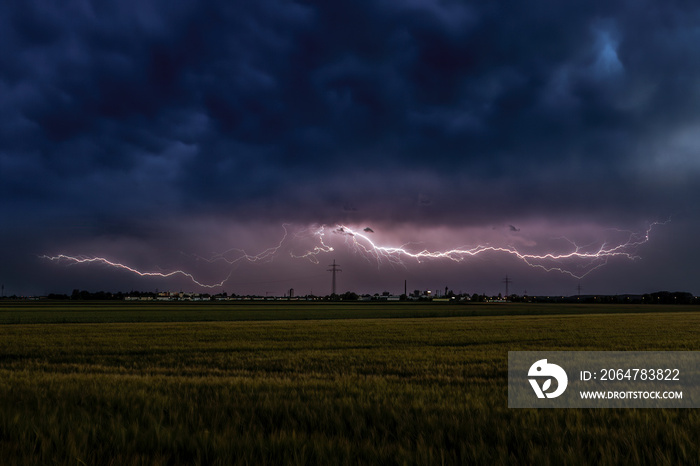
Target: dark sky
(172, 136)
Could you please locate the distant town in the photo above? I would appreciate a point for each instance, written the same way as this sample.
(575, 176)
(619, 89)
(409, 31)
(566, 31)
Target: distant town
(446, 295)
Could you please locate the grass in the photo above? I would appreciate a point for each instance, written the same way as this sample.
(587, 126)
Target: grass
(33, 312)
(294, 389)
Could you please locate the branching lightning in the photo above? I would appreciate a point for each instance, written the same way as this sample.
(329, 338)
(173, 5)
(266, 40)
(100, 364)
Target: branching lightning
(319, 234)
(102, 260)
(235, 255)
(585, 258)
(572, 259)
(227, 256)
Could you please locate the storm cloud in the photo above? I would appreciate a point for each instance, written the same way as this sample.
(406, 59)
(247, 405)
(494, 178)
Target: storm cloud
(122, 119)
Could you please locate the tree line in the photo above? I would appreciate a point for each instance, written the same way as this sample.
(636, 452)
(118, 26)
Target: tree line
(659, 297)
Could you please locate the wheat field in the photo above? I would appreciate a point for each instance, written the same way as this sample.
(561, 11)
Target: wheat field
(162, 384)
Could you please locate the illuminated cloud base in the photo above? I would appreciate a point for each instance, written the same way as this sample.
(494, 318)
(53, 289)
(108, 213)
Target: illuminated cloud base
(564, 255)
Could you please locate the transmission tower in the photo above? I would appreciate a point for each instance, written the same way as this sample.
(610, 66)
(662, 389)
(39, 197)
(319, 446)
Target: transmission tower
(333, 268)
(507, 281)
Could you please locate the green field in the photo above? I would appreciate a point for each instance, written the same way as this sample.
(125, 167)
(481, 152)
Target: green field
(123, 383)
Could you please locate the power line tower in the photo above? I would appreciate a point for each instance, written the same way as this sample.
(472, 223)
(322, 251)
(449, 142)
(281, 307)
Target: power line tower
(507, 281)
(333, 268)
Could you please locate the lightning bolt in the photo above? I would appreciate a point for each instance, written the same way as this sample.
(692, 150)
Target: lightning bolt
(234, 255)
(589, 260)
(226, 256)
(319, 233)
(102, 260)
(577, 261)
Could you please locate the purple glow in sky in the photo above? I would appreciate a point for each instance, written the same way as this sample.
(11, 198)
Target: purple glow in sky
(575, 251)
(171, 137)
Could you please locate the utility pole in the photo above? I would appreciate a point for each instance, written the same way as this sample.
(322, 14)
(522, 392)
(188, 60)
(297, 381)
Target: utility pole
(333, 268)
